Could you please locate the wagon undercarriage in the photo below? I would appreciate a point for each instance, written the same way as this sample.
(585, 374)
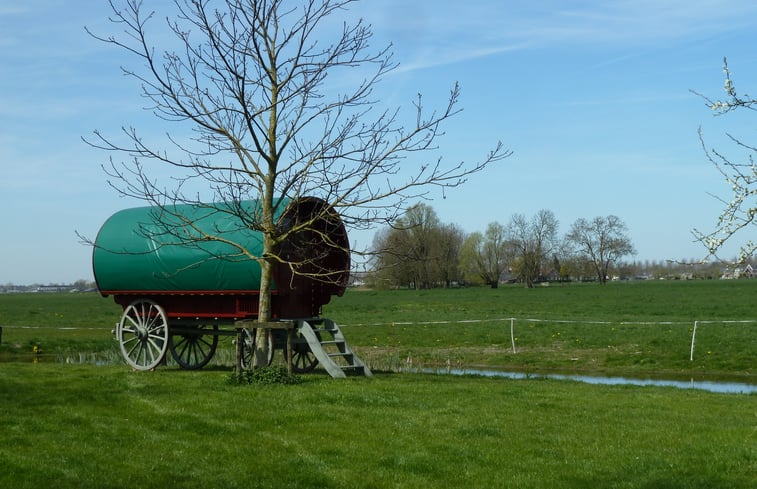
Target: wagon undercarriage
(146, 334)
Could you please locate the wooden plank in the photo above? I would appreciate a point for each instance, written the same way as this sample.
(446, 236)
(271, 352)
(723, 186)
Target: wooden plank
(253, 323)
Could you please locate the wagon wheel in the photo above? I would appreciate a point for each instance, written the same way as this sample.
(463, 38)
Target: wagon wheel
(248, 347)
(303, 360)
(143, 334)
(193, 348)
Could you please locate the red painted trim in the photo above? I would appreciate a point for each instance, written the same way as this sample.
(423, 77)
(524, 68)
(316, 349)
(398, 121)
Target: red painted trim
(145, 293)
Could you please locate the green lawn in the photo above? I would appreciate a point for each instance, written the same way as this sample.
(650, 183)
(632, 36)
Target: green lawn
(99, 427)
(623, 328)
(617, 301)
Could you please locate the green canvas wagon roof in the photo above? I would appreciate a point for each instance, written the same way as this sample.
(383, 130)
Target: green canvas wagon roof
(163, 249)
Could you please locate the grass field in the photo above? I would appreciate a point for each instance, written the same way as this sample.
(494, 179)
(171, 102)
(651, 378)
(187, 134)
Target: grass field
(102, 425)
(643, 327)
(623, 328)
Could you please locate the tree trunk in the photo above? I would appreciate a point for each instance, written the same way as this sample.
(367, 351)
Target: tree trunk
(260, 355)
(601, 275)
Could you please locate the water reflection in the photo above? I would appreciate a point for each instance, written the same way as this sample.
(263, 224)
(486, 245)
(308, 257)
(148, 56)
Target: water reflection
(724, 387)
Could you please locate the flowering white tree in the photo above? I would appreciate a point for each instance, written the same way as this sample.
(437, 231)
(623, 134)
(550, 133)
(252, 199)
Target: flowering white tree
(739, 212)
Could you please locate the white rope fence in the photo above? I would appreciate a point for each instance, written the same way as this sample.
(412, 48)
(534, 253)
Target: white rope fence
(694, 331)
(512, 321)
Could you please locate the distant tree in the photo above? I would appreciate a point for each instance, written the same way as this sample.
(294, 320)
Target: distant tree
(450, 243)
(567, 270)
(578, 267)
(471, 262)
(626, 270)
(417, 250)
(485, 255)
(82, 284)
(419, 234)
(248, 87)
(533, 242)
(602, 241)
(739, 212)
(385, 264)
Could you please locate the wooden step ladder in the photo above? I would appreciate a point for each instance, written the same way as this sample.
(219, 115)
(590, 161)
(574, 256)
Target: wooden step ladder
(329, 346)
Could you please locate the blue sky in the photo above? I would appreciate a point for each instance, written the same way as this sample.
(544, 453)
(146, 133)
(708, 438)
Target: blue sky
(593, 98)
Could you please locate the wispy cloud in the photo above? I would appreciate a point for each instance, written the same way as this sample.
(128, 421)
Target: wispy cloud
(8, 10)
(644, 21)
(451, 56)
(438, 33)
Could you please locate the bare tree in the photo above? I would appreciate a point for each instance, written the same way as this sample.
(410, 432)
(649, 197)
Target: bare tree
(250, 86)
(740, 211)
(533, 243)
(602, 241)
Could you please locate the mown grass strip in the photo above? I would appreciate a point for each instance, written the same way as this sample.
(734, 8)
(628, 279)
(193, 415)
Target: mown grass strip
(85, 426)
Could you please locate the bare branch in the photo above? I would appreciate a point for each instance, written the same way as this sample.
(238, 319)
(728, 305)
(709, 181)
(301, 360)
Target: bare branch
(258, 98)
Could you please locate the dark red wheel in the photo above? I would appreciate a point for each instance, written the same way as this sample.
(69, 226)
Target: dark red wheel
(193, 347)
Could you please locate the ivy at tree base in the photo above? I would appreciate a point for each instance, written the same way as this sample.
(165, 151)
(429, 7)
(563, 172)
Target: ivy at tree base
(270, 375)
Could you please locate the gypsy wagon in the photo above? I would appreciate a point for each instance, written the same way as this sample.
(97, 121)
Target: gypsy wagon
(186, 275)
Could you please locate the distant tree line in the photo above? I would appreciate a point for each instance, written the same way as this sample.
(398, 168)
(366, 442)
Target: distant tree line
(80, 285)
(422, 252)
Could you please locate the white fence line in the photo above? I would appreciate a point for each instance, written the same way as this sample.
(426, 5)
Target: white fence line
(512, 321)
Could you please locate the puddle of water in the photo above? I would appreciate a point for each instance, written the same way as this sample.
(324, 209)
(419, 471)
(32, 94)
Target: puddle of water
(718, 386)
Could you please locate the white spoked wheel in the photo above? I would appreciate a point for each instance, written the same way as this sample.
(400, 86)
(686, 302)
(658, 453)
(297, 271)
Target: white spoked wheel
(143, 334)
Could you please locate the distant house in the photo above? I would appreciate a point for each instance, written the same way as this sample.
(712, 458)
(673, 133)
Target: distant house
(54, 288)
(739, 272)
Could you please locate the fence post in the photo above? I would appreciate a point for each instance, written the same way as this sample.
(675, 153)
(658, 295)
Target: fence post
(512, 333)
(693, 336)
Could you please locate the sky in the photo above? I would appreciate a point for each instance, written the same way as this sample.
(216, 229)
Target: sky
(595, 98)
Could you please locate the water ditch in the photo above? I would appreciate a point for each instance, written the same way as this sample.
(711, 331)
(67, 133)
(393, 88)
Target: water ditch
(719, 385)
(723, 385)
